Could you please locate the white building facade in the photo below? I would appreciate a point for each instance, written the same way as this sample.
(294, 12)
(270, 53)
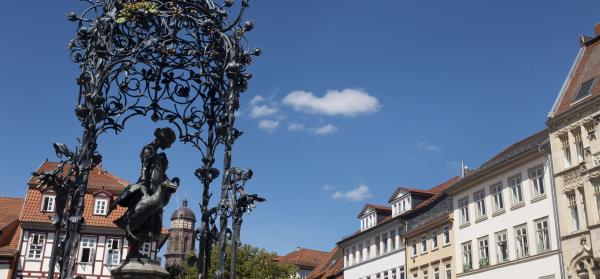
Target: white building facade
(505, 218)
(377, 251)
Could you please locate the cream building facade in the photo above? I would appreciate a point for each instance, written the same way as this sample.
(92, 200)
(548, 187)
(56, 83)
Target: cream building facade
(430, 249)
(576, 161)
(505, 221)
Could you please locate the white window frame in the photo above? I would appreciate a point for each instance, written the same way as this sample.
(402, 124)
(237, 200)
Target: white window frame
(101, 206)
(467, 256)
(446, 234)
(35, 246)
(436, 272)
(87, 242)
(448, 271)
(113, 256)
(536, 175)
(574, 211)
(521, 241)
(479, 199)
(146, 249)
(463, 205)
(501, 237)
(51, 205)
(423, 244)
(434, 240)
(414, 247)
(542, 233)
(515, 183)
(496, 191)
(483, 246)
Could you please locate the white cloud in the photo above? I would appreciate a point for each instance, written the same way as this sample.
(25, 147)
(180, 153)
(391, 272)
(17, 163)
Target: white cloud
(262, 111)
(292, 126)
(427, 146)
(328, 187)
(359, 194)
(325, 130)
(347, 102)
(268, 125)
(257, 99)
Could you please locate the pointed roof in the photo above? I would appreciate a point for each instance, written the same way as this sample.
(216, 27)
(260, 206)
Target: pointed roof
(303, 257)
(330, 268)
(585, 68)
(379, 209)
(184, 212)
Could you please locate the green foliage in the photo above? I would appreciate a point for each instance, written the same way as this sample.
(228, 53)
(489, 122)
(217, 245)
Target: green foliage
(136, 10)
(252, 263)
(187, 271)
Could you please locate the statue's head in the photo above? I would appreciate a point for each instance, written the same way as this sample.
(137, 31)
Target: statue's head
(165, 137)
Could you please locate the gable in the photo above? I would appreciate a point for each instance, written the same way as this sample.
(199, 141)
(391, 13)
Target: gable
(581, 84)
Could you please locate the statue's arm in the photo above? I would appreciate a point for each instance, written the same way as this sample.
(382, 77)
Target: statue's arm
(146, 158)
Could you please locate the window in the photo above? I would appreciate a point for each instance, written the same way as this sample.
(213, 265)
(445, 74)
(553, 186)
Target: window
(578, 145)
(401, 272)
(394, 275)
(425, 274)
(597, 196)
(423, 244)
(467, 257)
(436, 272)
(517, 193)
(537, 177)
(385, 242)
(448, 271)
(377, 246)
(145, 249)
(464, 211)
(479, 199)
(414, 247)
(501, 247)
(393, 239)
(100, 206)
(434, 240)
(415, 275)
(113, 251)
(566, 151)
(484, 252)
(498, 197)
(585, 89)
(87, 250)
(368, 254)
(446, 234)
(543, 237)
(360, 256)
(521, 241)
(48, 202)
(352, 260)
(35, 246)
(385, 274)
(574, 213)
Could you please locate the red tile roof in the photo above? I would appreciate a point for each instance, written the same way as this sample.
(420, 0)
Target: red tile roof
(98, 181)
(437, 192)
(10, 208)
(586, 68)
(330, 268)
(303, 257)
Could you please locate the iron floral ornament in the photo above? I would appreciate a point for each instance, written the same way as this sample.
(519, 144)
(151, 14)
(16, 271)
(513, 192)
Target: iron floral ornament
(179, 61)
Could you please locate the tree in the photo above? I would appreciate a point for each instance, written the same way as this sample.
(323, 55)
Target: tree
(188, 270)
(254, 263)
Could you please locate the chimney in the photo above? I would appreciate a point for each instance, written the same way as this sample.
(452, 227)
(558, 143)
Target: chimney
(597, 29)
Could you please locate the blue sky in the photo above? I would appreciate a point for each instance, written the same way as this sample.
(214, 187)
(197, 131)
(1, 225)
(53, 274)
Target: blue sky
(424, 85)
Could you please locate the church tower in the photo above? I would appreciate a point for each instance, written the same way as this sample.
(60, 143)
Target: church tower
(181, 237)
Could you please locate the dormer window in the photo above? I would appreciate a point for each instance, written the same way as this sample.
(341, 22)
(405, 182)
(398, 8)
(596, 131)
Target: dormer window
(100, 206)
(48, 201)
(584, 90)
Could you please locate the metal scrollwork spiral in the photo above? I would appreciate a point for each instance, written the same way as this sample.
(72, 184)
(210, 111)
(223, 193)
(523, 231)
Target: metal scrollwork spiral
(180, 61)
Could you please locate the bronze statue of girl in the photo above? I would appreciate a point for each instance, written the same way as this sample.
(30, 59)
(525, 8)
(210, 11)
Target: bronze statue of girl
(145, 199)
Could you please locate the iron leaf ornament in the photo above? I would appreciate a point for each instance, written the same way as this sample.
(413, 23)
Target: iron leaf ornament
(183, 62)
